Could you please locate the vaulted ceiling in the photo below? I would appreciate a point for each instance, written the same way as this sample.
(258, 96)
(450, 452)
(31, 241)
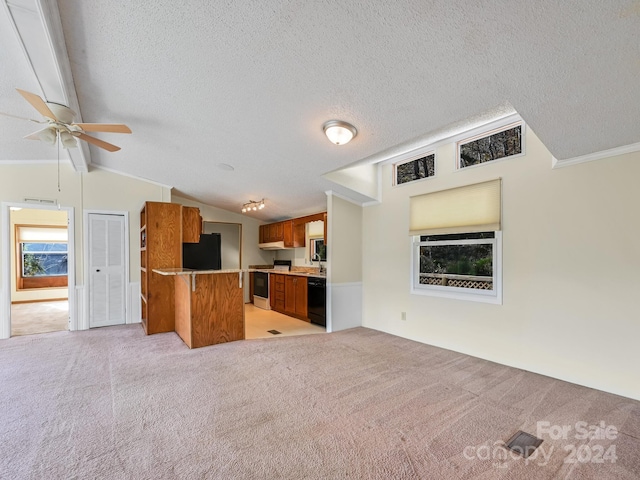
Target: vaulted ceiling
(249, 84)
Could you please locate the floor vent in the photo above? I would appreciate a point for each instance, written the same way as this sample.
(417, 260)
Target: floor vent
(274, 332)
(523, 443)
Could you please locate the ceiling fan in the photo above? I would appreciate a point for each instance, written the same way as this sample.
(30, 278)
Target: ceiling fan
(59, 121)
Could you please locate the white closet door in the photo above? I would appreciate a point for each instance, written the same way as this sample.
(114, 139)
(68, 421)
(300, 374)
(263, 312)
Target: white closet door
(107, 294)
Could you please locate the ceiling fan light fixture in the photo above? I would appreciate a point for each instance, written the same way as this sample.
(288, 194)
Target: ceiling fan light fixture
(339, 132)
(48, 135)
(68, 140)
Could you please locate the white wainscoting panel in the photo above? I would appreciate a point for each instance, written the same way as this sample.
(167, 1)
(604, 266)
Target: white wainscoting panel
(134, 312)
(345, 304)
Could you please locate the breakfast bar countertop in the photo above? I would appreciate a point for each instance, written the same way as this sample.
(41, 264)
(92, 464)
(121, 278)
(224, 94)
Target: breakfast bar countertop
(190, 271)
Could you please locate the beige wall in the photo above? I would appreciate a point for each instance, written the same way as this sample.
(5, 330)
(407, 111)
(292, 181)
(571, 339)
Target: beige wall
(570, 261)
(344, 248)
(98, 190)
(28, 216)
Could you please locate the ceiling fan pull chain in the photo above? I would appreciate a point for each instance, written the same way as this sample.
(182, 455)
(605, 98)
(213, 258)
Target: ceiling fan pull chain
(58, 161)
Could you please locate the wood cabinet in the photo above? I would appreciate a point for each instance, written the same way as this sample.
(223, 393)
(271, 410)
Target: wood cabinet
(289, 295)
(163, 229)
(209, 308)
(287, 233)
(291, 232)
(299, 232)
(160, 247)
(277, 232)
(191, 225)
(276, 291)
(295, 296)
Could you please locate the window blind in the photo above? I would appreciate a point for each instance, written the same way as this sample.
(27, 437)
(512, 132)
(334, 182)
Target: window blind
(468, 209)
(42, 234)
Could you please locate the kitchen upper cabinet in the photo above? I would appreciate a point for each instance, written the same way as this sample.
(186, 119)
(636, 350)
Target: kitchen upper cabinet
(299, 237)
(291, 232)
(324, 219)
(191, 225)
(287, 233)
(295, 296)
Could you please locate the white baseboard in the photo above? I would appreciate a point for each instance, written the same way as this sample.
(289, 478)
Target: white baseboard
(345, 305)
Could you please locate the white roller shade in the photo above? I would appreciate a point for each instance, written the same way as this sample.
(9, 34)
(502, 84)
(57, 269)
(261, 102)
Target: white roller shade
(472, 208)
(42, 235)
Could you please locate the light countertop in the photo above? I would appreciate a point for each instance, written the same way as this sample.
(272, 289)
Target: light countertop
(284, 272)
(189, 271)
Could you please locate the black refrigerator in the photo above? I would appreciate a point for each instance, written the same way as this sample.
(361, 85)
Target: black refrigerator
(204, 255)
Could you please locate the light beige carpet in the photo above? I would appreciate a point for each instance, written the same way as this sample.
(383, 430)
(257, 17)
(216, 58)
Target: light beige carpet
(112, 403)
(39, 317)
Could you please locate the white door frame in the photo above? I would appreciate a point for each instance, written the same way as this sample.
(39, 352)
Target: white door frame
(5, 296)
(85, 258)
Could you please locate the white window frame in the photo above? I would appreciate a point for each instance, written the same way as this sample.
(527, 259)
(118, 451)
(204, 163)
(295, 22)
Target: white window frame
(488, 133)
(394, 179)
(471, 294)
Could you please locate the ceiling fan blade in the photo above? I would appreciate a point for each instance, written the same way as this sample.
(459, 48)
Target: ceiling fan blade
(97, 142)
(33, 136)
(20, 118)
(38, 104)
(104, 127)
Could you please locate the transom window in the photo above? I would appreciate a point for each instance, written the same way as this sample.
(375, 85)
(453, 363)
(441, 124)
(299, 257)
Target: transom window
(489, 146)
(417, 169)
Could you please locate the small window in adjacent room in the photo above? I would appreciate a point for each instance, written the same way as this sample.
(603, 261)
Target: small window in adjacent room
(412, 170)
(457, 243)
(494, 145)
(42, 257)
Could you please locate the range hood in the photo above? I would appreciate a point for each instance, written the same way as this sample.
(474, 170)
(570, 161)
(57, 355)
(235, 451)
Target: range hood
(273, 246)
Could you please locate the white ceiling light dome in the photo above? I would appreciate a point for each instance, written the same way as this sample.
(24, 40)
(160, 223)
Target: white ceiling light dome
(339, 132)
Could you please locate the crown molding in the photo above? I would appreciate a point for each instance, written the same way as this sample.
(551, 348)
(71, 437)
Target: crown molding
(590, 157)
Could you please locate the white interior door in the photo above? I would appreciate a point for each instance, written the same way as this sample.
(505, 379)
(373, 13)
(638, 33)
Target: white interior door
(107, 294)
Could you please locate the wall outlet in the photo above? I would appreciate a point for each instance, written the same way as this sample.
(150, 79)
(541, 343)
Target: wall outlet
(403, 315)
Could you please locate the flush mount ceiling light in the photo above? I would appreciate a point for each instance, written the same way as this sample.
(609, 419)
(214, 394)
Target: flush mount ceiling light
(339, 132)
(252, 206)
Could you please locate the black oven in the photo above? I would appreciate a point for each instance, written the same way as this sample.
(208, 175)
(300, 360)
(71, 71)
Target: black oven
(261, 285)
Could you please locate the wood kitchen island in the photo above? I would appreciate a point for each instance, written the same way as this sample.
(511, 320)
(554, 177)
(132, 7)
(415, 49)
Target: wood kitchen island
(209, 305)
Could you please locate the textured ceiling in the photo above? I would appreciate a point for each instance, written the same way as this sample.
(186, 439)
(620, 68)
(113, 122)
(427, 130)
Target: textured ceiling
(251, 83)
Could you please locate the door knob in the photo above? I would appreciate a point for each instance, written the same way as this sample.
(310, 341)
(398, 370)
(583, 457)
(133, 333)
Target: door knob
(98, 270)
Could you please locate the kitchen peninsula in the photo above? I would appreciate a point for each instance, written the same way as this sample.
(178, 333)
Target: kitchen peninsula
(209, 305)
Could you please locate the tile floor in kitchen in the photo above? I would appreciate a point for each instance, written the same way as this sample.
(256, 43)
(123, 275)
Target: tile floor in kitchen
(46, 317)
(258, 322)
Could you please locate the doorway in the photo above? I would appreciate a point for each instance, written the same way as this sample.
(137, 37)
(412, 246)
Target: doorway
(38, 274)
